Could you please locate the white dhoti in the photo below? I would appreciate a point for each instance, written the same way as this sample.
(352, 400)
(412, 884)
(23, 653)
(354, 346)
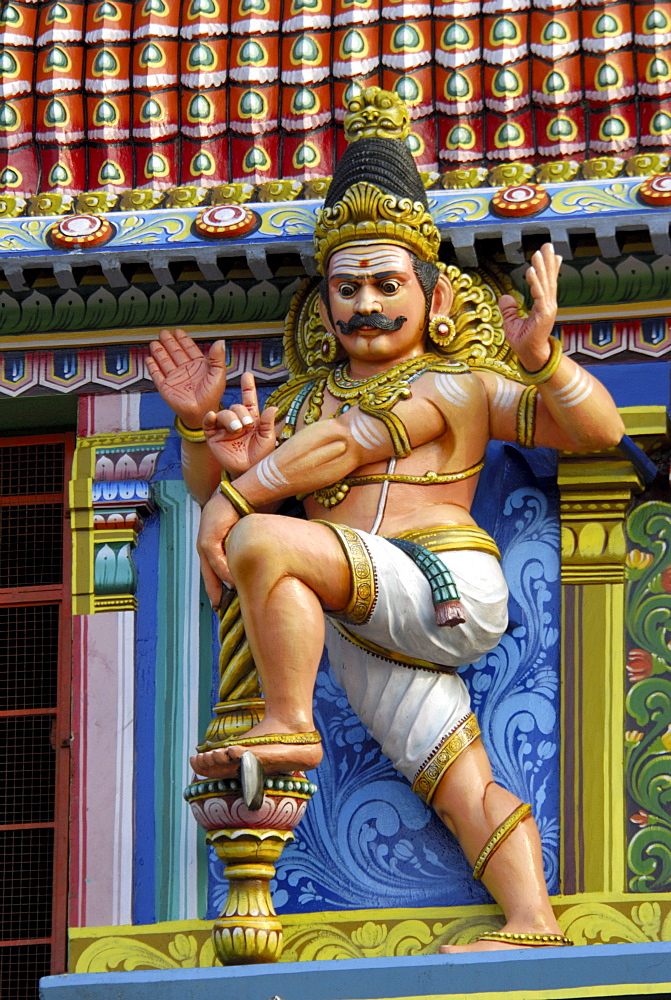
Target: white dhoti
(397, 665)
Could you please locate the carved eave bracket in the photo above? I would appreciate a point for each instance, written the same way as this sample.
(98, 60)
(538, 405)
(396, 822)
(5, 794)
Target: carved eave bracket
(110, 495)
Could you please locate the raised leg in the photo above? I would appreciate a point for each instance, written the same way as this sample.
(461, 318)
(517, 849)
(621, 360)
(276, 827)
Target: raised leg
(472, 806)
(286, 571)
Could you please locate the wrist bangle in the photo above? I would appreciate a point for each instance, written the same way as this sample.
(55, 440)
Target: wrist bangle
(235, 498)
(548, 369)
(191, 434)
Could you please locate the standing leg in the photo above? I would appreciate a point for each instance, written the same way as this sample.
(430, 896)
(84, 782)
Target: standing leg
(286, 571)
(472, 806)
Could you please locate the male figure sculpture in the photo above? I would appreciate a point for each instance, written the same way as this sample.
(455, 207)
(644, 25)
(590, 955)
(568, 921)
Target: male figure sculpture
(384, 448)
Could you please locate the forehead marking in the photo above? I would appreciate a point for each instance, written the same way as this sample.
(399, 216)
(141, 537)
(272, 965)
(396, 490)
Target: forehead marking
(385, 256)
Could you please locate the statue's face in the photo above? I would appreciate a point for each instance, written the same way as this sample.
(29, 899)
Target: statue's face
(373, 283)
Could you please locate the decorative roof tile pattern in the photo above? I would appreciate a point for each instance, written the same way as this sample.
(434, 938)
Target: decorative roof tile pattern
(118, 95)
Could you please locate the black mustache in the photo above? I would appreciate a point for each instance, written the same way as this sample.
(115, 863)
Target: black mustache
(377, 320)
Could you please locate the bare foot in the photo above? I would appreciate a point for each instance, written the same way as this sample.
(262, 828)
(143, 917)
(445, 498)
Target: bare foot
(275, 758)
(455, 949)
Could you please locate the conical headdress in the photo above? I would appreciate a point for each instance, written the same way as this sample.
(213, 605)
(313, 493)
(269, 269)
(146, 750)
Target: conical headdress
(376, 193)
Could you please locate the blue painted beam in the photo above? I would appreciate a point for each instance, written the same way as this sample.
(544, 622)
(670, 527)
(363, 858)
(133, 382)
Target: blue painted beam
(588, 971)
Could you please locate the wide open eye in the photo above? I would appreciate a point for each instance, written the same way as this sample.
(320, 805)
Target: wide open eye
(389, 286)
(346, 289)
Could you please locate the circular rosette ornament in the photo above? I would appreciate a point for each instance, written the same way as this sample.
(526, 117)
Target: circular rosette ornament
(656, 190)
(520, 201)
(224, 222)
(81, 231)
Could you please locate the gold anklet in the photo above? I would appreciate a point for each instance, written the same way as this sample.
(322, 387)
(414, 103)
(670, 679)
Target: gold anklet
(528, 940)
(195, 435)
(549, 368)
(501, 833)
(235, 498)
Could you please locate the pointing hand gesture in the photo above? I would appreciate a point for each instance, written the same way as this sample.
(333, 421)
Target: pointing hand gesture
(241, 437)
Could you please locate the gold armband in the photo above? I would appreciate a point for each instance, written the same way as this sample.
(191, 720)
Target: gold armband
(501, 833)
(548, 369)
(190, 434)
(235, 498)
(526, 417)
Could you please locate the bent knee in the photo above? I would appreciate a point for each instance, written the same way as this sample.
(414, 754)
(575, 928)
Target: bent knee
(251, 540)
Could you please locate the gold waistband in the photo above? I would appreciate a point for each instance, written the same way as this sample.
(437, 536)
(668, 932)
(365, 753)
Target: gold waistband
(428, 479)
(453, 537)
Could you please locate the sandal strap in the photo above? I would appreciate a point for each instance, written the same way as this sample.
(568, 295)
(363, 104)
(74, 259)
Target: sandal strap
(529, 940)
(501, 833)
(297, 739)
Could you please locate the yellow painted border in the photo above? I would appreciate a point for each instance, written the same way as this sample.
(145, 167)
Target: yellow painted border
(626, 989)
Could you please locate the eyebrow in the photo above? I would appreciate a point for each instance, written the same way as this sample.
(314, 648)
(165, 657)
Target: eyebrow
(379, 275)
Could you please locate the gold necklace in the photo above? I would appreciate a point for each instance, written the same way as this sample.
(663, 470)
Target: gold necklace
(381, 390)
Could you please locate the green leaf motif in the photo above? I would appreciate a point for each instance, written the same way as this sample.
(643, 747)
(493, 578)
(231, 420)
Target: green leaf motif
(163, 304)
(10, 313)
(658, 69)
(200, 55)
(406, 37)
(407, 89)
(556, 83)
(555, 31)
(456, 34)
(505, 31)
(305, 49)
(56, 59)
(656, 21)
(8, 116)
(9, 15)
(607, 76)
(303, 101)
(8, 63)
(37, 313)
(101, 309)
(648, 765)
(55, 113)
(606, 25)
(353, 43)
(252, 52)
(132, 308)
(195, 305)
(70, 312)
(200, 107)
(105, 114)
(110, 172)
(202, 163)
(457, 85)
(105, 62)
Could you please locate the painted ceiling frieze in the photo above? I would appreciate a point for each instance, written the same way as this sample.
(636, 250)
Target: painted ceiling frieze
(117, 95)
(483, 211)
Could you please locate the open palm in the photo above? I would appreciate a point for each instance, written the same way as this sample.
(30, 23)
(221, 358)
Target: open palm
(190, 383)
(528, 335)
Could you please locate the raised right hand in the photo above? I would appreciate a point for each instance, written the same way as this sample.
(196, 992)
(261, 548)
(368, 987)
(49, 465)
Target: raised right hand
(190, 383)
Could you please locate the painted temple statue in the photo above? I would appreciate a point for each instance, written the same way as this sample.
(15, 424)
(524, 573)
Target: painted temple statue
(443, 306)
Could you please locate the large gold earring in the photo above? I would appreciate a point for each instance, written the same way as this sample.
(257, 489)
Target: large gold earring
(442, 331)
